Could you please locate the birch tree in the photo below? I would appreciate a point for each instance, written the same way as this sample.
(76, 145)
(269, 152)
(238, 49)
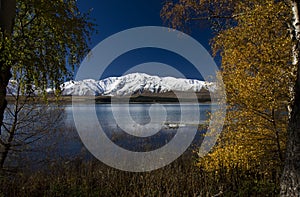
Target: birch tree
(254, 53)
(185, 12)
(28, 121)
(41, 40)
(290, 184)
(7, 17)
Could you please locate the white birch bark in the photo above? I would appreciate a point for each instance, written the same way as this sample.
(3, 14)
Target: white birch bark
(290, 182)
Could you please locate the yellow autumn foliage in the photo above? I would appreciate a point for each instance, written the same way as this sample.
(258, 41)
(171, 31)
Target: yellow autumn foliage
(257, 74)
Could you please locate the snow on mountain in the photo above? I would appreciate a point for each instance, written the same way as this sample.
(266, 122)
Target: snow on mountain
(134, 83)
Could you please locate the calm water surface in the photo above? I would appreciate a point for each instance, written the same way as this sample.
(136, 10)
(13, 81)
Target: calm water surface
(66, 143)
(140, 115)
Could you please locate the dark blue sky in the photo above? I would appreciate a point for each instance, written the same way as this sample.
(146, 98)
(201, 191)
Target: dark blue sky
(113, 16)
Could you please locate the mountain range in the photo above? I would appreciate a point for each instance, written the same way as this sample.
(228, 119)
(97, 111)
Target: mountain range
(133, 84)
(127, 85)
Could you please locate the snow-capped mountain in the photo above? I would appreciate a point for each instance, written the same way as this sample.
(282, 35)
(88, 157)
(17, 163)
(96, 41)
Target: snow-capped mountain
(135, 83)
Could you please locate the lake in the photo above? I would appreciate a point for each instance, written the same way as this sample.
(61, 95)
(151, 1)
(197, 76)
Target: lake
(131, 126)
(134, 127)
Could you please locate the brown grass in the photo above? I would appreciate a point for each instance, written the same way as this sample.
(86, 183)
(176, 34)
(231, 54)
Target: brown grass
(92, 178)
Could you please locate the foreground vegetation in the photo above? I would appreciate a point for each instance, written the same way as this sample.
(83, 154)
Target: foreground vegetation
(92, 178)
(79, 174)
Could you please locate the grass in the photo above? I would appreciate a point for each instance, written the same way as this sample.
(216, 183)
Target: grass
(92, 178)
(79, 176)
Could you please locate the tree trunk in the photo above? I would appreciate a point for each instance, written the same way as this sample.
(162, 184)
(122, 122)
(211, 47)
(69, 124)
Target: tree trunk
(7, 146)
(7, 15)
(290, 183)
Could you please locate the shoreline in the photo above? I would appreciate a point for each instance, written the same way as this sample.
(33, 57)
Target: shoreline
(139, 99)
